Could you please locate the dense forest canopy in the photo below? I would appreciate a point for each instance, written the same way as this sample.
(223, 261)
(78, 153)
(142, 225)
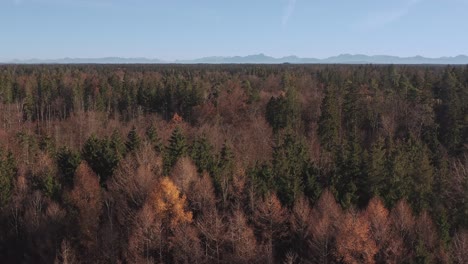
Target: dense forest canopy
(233, 164)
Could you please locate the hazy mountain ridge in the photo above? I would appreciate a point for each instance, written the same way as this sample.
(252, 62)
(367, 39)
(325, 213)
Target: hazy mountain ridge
(262, 59)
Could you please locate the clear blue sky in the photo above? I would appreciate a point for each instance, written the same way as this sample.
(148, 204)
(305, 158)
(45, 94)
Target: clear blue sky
(176, 29)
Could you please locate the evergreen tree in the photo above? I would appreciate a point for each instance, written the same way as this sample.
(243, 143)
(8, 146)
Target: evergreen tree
(449, 112)
(348, 178)
(376, 169)
(283, 111)
(154, 139)
(329, 122)
(8, 172)
(102, 156)
(262, 179)
(397, 186)
(422, 178)
(224, 171)
(68, 161)
(133, 140)
(312, 187)
(253, 94)
(290, 162)
(443, 226)
(202, 154)
(177, 148)
(117, 144)
(351, 109)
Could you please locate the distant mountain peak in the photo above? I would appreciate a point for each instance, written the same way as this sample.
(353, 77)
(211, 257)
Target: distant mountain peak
(261, 58)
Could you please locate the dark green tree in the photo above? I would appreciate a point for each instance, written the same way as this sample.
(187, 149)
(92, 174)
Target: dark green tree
(312, 186)
(202, 154)
(253, 94)
(133, 140)
(177, 148)
(224, 172)
(67, 161)
(262, 179)
(153, 137)
(290, 163)
(102, 156)
(8, 173)
(283, 111)
(450, 110)
(349, 175)
(117, 144)
(376, 168)
(329, 122)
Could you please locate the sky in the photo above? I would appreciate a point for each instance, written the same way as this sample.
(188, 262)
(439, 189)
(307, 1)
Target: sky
(188, 29)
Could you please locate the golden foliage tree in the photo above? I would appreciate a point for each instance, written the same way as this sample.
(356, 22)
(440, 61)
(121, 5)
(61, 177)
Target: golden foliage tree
(354, 243)
(170, 204)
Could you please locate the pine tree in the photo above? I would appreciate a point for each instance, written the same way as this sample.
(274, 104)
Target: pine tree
(224, 171)
(422, 177)
(329, 123)
(312, 187)
(201, 153)
(102, 156)
(449, 112)
(68, 161)
(261, 178)
(283, 111)
(133, 140)
(154, 139)
(8, 172)
(348, 178)
(177, 148)
(253, 94)
(117, 144)
(376, 169)
(290, 161)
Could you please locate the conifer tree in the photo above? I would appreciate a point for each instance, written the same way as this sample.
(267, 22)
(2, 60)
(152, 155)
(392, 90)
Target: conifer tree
(290, 161)
(329, 123)
(376, 169)
(283, 111)
(152, 135)
(224, 171)
(68, 161)
(7, 174)
(201, 153)
(133, 140)
(102, 156)
(117, 144)
(177, 148)
(261, 179)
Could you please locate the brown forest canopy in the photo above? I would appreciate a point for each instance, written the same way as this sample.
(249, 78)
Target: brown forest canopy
(233, 164)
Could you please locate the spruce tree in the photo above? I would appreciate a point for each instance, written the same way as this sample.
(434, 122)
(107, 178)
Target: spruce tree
(8, 172)
(224, 171)
(67, 161)
(262, 179)
(284, 111)
(152, 135)
(290, 161)
(329, 122)
(202, 154)
(102, 156)
(376, 168)
(177, 148)
(133, 140)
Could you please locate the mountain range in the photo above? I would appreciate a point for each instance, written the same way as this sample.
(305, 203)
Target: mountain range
(260, 59)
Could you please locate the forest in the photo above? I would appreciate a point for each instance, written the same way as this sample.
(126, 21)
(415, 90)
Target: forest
(233, 164)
